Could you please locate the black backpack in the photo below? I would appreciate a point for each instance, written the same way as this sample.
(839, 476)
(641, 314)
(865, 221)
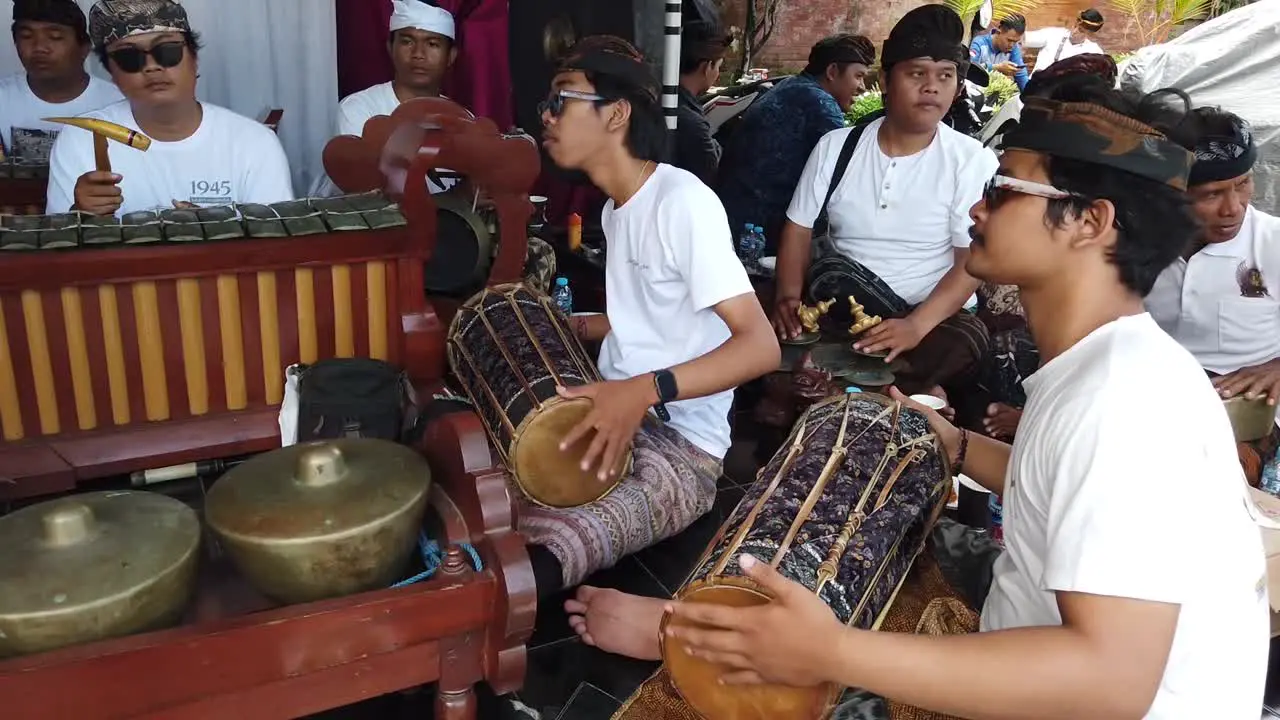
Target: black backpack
(355, 397)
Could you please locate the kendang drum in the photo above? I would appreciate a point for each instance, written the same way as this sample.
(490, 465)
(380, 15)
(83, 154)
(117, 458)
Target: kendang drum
(843, 509)
(510, 348)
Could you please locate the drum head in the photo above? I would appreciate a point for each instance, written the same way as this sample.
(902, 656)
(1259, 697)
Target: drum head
(697, 681)
(551, 477)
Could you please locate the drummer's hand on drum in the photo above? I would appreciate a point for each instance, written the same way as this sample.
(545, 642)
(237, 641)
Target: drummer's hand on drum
(785, 318)
(896, 336)
(98, 193)
(947, 433)
(790, 641)
(1252, 382)
(619, 407)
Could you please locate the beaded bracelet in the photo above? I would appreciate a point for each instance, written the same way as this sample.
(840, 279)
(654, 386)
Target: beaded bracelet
(958, 467)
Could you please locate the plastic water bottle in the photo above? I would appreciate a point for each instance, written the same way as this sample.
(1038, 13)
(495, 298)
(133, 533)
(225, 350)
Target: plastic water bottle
(563, 296)
(1271, 475)
(760, 241)
(745, 242)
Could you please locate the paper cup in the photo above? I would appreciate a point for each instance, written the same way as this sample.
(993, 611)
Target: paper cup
(930, 401)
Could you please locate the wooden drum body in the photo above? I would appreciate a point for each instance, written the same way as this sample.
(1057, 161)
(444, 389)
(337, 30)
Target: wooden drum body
(842, 509)
(510, 348)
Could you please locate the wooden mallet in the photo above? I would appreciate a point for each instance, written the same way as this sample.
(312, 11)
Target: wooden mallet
(102, 131)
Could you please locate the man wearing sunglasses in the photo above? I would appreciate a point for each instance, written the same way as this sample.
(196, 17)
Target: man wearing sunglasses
(201, 154)
(682, 328)
(52, 41)
(1104, 604)
(1221, 299)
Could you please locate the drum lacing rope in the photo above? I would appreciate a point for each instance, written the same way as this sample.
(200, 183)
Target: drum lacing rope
(452, 396)
(433, 558)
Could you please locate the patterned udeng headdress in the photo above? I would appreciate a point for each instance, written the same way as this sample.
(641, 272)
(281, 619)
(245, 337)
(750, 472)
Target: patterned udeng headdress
(112, 20)
(1093, 134)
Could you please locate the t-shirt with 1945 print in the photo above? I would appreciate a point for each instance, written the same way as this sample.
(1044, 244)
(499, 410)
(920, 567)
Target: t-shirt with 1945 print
(229, 159)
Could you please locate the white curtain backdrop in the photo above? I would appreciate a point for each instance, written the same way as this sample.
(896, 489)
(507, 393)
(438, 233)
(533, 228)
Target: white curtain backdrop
(258, 54)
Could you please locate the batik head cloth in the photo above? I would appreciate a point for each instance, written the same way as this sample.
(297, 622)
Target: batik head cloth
(929, 31)
(1093, 134)
(418, 15)
(112, 20)
(1224, 156)
(614, 56)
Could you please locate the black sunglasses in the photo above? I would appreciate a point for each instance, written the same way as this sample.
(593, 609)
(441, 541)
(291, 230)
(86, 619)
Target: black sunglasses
(554, 105)
(133, 59)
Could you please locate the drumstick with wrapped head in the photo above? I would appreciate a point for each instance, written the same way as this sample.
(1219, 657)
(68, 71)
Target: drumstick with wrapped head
(103, 131)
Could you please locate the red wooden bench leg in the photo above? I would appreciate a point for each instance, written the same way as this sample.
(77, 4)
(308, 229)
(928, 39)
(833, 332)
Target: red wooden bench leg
(458, 705)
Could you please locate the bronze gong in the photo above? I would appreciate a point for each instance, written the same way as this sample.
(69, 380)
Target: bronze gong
(322, 519)
(94, 566)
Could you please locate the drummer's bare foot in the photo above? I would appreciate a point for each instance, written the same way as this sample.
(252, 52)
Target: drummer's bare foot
(617, 622)
(1002, 421)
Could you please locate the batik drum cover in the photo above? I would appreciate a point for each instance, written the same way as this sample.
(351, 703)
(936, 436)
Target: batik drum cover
(842, 509)
(509, 347)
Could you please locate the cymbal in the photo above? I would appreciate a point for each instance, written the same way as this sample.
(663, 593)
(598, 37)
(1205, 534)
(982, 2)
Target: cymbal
(94, 565)
(317, 489)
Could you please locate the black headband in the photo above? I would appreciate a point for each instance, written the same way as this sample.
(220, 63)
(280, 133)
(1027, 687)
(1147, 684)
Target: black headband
(612, 58)
(1221, 158)
(1087, 24)
(929, 31)
(1093, 134)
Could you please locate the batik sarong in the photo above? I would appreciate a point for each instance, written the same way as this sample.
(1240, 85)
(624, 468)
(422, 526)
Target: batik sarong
(672, 483)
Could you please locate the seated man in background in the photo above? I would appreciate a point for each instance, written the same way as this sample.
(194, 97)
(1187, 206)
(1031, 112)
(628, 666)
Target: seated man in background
(702, 49)
(898, 213)
(1056, 44)
(1001, 50)
(765, 157)
(200, 154)
(1221, 299)
(52, 41)
(422, 50)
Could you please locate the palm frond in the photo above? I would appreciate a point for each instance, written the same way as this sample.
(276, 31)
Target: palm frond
(966, 9)
(1001, 9)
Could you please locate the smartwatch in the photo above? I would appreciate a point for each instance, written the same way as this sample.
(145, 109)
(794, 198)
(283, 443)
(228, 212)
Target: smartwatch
(668, 391)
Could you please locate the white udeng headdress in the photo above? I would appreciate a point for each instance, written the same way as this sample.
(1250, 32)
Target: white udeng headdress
(421, 16)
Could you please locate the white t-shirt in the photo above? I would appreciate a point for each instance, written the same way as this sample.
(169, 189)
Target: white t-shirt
(357, 108)
(670, 261)
(1209, 305)
(1124, 482)
(901, 217)
(229, 159)
(22, 113)
(1055, 44)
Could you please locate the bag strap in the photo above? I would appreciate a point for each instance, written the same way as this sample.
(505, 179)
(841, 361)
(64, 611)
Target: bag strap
(842, 165)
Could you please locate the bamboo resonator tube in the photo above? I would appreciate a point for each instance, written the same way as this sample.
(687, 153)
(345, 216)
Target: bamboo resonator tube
(102, 132)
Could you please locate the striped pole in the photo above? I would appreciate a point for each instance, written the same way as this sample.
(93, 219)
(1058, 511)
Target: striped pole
(671, 62)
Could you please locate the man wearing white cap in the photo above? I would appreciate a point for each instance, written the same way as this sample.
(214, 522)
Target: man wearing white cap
(422, 51)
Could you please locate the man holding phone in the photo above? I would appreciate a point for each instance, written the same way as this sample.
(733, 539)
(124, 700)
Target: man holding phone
(1001, 49)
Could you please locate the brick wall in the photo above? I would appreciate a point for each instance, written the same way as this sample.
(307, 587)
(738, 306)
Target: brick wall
(801, 23)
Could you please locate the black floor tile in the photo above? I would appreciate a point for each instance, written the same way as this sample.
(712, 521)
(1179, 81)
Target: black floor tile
(556, 671)
(552, 625)
(672, 560)
(590, 703)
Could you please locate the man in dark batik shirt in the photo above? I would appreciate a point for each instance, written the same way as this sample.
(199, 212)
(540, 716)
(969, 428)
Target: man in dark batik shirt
(702, 49)
(763, 161)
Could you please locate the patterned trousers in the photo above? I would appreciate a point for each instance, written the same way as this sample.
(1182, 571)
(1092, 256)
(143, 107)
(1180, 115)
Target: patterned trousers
(672, 483)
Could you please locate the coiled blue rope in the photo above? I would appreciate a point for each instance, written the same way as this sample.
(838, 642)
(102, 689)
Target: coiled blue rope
(433, 557)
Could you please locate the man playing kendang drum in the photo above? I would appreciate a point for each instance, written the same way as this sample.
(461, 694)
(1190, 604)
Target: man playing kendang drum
(201, 154)
(52, 40)
(1221, 299)
(899, 223)
(1103, 605)
(683, 326)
